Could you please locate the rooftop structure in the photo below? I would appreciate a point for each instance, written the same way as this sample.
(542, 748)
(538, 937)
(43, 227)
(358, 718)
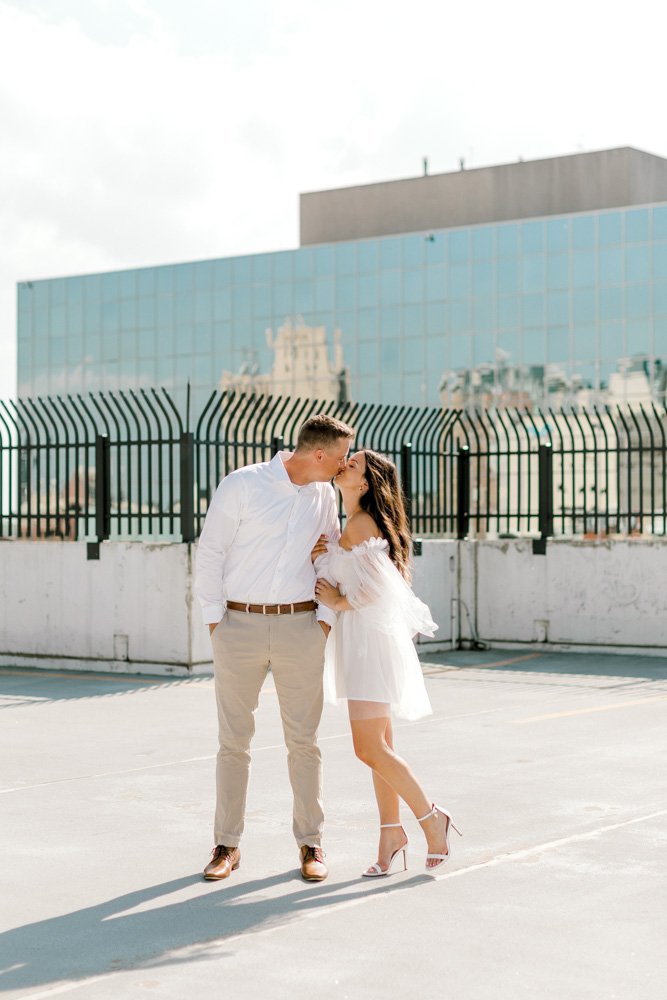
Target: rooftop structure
(581, 182)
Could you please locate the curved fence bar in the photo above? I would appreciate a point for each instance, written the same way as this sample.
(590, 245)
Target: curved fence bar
(594, 472)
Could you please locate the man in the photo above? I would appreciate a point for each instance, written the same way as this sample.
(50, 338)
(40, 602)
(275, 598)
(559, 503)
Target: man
(255, 582)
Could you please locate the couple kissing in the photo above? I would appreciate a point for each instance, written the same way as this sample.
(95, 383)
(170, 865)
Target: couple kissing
(332, 615)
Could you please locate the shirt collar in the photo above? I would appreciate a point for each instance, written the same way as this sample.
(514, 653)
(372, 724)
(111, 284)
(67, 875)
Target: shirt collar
(277, 467)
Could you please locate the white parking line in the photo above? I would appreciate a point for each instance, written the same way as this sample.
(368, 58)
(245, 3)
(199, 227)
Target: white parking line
(19, 699)
(195, 760)
(549, 845)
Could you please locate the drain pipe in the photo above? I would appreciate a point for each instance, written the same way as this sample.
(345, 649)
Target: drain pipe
(476, 642)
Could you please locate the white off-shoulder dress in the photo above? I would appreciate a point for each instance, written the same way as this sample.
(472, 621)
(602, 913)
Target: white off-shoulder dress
(369, 655)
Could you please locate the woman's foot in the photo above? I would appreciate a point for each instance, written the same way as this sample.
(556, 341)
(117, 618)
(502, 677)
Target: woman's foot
(436, 826)
(435, 831)
(392, 839)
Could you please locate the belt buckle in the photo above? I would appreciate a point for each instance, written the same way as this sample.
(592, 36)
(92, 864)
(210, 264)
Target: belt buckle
(263, 609)
(247, 609)
(278, 612)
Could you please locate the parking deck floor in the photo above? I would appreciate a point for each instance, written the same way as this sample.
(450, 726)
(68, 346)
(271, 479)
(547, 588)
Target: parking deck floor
(552, 764)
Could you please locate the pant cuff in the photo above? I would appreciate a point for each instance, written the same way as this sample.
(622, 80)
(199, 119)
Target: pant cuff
(227, 841)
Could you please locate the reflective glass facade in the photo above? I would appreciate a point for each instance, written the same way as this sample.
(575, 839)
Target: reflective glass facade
(509, 312)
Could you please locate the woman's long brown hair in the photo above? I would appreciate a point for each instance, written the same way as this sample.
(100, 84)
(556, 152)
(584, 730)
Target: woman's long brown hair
(385, 503)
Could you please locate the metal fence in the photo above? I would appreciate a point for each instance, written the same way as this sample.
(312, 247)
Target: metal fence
(131, 465)
(101, 465)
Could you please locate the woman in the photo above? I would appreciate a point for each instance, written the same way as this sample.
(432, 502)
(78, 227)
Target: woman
(370, 659)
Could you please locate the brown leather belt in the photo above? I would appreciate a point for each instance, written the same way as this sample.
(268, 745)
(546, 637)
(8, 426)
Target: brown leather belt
(272, 609)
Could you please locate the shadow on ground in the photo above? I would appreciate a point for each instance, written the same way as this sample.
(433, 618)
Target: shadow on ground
(102, 938)
(20, 685)
(653, 668)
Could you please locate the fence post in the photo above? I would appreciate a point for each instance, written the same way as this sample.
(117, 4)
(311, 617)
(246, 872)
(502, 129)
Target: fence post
(462, 491)
(187, 463)
(277, 444)
(545, 518)
(102, 486)
(406, 477)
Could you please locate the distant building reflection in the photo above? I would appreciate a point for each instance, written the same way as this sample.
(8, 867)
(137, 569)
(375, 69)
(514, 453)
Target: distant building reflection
(609, 437)
(301, 365)
(636, 381)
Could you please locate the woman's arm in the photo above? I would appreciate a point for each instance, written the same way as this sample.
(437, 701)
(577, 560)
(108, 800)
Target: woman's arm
(331, 596)
(358, 529)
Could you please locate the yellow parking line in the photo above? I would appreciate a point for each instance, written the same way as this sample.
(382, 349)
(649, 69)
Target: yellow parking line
(440, 667)
(587, 711)
(508, 663)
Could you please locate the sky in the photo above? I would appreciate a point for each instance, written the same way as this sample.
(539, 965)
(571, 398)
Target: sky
(139, 132)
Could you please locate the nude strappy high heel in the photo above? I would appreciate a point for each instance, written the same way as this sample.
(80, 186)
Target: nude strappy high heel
(440, 858)
(375, 871)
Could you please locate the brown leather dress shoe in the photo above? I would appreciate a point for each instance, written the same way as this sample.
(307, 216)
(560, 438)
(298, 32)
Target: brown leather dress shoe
(313, 868)
(224, 861)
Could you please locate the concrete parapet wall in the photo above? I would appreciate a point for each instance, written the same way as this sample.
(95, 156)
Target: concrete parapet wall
(133, 610)
(589, 593)
(130, 611)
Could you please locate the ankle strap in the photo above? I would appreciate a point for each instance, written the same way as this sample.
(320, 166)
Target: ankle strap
(386, 826)
(420, 819)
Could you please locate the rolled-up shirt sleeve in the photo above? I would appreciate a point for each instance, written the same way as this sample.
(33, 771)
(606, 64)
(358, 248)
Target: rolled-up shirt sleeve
(220, 527)
(332, 531)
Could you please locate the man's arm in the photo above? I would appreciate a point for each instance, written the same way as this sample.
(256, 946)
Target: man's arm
(325, 616)
(220, 527)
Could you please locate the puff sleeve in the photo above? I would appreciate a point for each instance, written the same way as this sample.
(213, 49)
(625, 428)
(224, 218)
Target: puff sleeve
(374, 586)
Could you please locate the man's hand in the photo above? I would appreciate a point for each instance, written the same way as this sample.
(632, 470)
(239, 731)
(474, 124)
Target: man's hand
(319, 548)
(325, 628)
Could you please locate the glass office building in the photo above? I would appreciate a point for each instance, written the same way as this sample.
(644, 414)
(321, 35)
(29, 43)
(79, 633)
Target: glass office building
(557, 309)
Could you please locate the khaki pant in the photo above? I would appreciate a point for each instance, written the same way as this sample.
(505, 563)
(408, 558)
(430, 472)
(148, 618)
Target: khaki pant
(244, 646)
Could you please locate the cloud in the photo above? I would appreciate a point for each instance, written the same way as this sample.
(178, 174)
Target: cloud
(137, 132)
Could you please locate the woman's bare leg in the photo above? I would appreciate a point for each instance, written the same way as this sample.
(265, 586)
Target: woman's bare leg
(389, 806)
(369, 736)
(387, 799)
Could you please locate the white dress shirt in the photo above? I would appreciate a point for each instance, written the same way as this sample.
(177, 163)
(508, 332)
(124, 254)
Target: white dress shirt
(257, 538)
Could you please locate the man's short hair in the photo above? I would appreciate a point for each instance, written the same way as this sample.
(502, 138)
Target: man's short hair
(322, 431)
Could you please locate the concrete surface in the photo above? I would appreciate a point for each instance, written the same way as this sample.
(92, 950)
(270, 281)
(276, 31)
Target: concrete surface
(553, 765)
